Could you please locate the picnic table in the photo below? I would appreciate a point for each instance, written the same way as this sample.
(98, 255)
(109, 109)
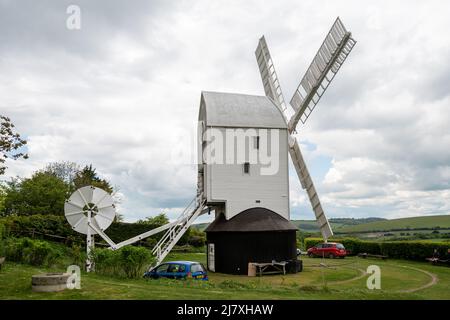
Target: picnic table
(368, 255)
(437, 260)
(270, 267)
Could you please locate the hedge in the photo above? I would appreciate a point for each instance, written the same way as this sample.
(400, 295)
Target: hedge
(411, 250)
(52, 225)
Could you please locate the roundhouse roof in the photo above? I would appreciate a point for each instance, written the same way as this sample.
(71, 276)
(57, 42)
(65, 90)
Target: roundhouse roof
(239, 110)
(251, 220)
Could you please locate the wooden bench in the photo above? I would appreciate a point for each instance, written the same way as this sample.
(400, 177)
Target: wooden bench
(437, 261)
(264, 268)
(368, 255)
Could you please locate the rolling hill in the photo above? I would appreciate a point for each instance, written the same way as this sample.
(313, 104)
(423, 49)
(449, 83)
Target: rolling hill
(311, 225)
(428, 222)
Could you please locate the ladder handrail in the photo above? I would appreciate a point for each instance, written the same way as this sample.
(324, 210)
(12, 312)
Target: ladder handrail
(180, 219)
(164, 247)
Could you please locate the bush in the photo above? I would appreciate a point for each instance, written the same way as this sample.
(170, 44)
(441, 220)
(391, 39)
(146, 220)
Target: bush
(34, 252)
(106, 261)
(134, 260)
(411, 250)
(129, 262)
(78, 255)
(197, 241)
(2, 241)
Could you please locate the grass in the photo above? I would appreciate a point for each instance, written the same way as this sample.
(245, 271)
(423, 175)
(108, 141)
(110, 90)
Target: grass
(442, 221)
(342, 279)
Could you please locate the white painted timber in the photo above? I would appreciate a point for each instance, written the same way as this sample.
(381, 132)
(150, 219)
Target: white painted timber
(239, 191)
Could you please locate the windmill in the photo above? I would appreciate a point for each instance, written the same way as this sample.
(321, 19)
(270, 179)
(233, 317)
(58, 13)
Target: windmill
(326, 63)
(252, 216)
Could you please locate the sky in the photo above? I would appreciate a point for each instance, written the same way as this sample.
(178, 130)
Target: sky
(122, 93)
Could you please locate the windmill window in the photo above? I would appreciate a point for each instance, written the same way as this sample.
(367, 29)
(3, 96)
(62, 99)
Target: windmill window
(256, 142)
(246, 167)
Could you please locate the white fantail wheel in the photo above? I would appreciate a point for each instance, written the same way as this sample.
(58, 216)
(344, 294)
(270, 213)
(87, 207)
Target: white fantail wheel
(89, 209)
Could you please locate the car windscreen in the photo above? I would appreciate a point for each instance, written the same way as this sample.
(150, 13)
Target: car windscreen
(162, 268)
(339, 246)
(196, 268)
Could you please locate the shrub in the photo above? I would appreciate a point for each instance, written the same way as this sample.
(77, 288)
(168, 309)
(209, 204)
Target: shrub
(130, 262)
(78, 255)
(34, 252)
(134, 260)
(197, 241)
(2, 241)
(106, 261)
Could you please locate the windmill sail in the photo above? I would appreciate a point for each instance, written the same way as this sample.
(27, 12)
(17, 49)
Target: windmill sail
(308, 185)
(326, 63)
(269, 77)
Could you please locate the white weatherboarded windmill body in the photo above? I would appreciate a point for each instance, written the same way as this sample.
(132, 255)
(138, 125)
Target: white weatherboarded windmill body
(243, 145)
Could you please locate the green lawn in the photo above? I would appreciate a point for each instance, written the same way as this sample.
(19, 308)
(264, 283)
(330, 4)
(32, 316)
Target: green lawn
(342, 279)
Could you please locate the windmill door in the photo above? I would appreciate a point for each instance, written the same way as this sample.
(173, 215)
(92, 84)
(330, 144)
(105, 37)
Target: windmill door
(211, 257)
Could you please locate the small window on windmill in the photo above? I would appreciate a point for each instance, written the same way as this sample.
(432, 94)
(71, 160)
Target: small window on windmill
(247, 167)
(256, 142)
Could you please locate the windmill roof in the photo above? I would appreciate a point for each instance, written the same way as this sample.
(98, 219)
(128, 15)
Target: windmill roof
(251, 220)
(241, 110)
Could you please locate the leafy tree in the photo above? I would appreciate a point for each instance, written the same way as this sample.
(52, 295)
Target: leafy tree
(158, 220)
(88, 177)
(10, 143)
(3, 194)
(43, 193)
(65, 170)
(119, 217)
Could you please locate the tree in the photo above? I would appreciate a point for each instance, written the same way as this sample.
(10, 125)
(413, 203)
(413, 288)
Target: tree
(43, 193)
(47, 189)
(65, 170)
(88, 177)
(158, 220)
(10, 143)
(3, 195)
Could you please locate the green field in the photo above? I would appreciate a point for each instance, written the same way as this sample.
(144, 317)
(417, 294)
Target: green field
(311, 225)
(341, 279)
(429, 222)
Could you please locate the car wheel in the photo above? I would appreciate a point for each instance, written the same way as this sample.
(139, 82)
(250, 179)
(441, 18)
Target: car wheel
(331, 256)
(310, 255)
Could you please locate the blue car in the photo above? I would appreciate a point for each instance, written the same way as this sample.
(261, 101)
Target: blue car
(178, 270)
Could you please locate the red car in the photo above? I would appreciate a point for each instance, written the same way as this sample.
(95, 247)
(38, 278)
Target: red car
(328, 250)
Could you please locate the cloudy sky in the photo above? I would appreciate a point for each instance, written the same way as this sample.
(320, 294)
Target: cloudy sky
(123, 94)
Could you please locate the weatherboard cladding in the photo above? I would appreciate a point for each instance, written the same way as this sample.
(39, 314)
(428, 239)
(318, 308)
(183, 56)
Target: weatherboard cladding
(251, 220)
(241, 111)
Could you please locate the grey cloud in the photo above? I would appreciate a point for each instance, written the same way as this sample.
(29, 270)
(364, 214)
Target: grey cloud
(122, 92)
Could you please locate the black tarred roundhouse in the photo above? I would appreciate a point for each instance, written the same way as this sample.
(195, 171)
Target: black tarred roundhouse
(254, 235)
